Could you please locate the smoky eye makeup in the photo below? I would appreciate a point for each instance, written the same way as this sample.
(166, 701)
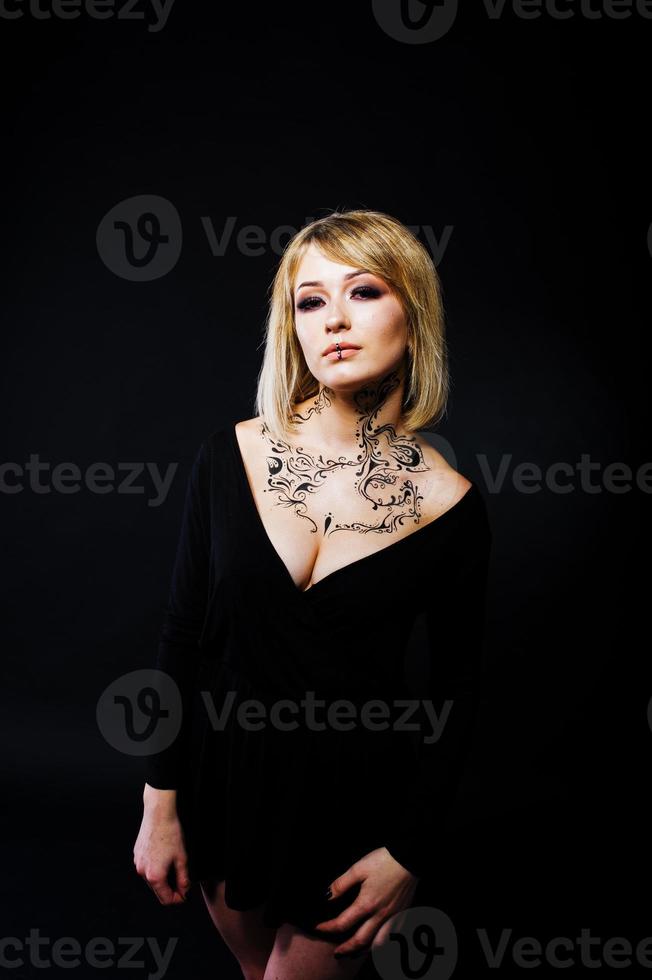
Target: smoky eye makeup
(364, 292)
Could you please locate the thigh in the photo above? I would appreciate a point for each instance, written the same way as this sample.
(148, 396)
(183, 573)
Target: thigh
(297, 955)
(244, 932)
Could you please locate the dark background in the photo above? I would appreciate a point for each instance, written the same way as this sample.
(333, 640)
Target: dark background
(529, 138)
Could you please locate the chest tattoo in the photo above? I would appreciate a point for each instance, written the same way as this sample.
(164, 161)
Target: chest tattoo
(383, 469)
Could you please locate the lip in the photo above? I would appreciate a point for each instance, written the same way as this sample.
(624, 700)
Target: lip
(344, 346)
(346, 353)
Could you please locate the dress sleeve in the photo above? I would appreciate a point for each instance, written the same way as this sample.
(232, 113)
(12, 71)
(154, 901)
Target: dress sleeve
(184, 614)
(455, 620)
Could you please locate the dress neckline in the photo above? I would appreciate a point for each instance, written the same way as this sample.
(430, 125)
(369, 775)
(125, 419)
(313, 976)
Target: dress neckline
(469, 494)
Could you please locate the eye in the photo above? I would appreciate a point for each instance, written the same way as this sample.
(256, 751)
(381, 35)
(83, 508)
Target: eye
(366, 292)
(369, 291)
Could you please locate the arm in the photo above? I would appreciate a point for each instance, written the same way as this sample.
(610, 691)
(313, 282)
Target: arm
(178, 648)
(455, 627)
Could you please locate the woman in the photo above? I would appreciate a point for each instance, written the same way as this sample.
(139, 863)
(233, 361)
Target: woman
(314, 537)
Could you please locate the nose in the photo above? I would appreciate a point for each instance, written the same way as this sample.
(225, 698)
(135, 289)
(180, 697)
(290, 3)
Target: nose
(337, 318)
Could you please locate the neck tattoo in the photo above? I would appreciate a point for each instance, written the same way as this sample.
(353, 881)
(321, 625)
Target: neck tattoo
(382, 467)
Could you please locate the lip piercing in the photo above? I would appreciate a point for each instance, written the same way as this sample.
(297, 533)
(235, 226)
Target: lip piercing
(339, 351)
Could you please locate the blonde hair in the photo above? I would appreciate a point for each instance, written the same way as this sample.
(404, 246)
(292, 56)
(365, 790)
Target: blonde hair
(377, 242)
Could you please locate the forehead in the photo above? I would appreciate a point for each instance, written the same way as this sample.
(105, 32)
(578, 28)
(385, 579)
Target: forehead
(315, 265)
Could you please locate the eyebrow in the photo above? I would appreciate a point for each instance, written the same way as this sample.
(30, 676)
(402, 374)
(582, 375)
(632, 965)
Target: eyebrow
(349, 275)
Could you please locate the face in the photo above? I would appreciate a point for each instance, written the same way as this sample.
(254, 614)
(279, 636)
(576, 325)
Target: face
(335, 303)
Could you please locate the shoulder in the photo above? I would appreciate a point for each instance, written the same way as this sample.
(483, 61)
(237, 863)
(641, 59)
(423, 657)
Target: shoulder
(447, 485)
(219, 438)
(451, 490)
(248, 428)
(248, 434)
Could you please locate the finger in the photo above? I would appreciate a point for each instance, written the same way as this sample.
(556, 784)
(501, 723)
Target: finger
(358, 910)
(162, 890)
(344, 882)
(181, 874)
(361, 940)
(336, 889)
(175, 900)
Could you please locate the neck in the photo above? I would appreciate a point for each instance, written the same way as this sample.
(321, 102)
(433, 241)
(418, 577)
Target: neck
(337, 420)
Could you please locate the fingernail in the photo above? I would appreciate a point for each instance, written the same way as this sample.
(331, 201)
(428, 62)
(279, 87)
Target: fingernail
(329, 893)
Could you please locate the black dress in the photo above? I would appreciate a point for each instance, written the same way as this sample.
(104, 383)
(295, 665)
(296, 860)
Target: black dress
(281, 796)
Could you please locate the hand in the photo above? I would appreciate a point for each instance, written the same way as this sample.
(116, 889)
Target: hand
(387, 887)
(160, 846)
